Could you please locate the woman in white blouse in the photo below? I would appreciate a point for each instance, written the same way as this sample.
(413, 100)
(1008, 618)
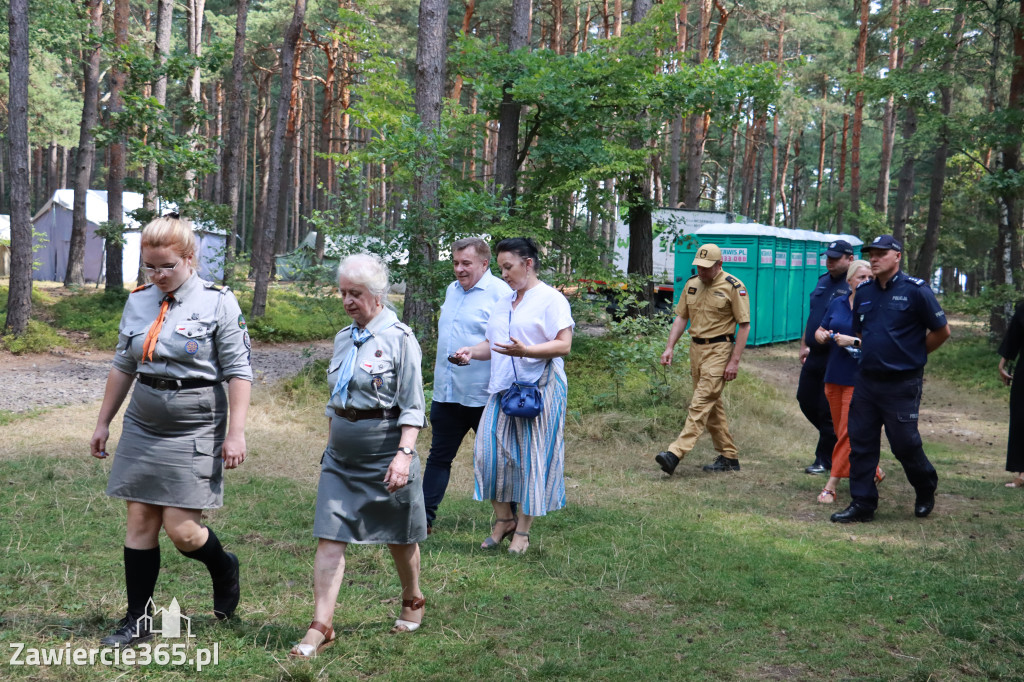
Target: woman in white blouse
(519, 459)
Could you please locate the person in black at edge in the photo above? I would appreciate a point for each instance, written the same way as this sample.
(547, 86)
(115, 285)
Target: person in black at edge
(899, 322)
(810, 392)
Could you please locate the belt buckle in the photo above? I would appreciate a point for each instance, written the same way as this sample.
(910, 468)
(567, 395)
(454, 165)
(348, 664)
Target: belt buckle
(352, 414)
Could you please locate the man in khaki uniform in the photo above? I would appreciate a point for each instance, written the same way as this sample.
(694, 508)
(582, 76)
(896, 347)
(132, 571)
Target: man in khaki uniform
(714, 303)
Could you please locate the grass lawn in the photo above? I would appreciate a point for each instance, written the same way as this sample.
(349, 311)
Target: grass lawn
(704, 577)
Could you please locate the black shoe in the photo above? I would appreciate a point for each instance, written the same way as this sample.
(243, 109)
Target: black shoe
(667, 461)
(923, 505)
(816, 469)
(853, 514)
(723, 463)
(130, 631)
(227, 591)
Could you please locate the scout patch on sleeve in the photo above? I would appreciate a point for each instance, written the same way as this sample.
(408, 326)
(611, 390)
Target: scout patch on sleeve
(241, 322)
(247, 341)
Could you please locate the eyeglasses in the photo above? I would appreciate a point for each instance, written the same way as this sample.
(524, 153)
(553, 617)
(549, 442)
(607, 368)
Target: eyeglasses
(161, 271)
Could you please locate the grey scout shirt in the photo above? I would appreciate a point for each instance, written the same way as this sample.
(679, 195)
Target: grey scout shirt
(203, 337)
(387, 371)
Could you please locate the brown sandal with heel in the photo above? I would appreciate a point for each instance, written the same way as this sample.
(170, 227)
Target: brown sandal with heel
(408, 625)
(309, 651)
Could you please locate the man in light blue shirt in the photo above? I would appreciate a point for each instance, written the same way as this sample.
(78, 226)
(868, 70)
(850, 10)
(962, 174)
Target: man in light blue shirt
(460, 391)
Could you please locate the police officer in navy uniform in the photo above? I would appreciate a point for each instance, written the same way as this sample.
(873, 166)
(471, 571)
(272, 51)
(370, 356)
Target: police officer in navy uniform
(810, 392)
(899, 323)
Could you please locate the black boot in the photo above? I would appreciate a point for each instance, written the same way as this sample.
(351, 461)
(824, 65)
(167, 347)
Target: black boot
(141, 569)
(667, 461)
(223, 567)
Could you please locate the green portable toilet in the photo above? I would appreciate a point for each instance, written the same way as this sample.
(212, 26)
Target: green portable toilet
(765, 312)
(795, 284)
(686, 249)
(780, 299)
(814, 264)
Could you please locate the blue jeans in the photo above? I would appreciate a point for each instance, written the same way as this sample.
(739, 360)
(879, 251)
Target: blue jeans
(449, 423)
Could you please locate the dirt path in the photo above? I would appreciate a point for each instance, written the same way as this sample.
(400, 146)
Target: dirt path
(71, 377)
(947, 415)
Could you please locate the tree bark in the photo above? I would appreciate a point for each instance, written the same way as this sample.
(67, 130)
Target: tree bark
(161, 50)
(888, 119)
(234, 147)
(775, 181)
(114, 267)
(858, 117)
(194, 9)
(926, 256)
(430, 81)
(506, 172)
(266, 256)
(19, 296)
(696, 130)
(86, 157)
(640, 261)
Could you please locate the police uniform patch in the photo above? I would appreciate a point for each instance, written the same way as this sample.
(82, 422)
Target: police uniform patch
(241, 322)
(191, 346)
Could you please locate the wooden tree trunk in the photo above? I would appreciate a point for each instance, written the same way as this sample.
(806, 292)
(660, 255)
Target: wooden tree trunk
(430, 80)
(858, 117)
(195, 9)
(822, 141)
(161, 49)
(234, 148)
(888, 119)
(638, 201)
(507, 163)
(266, 256)
(86, 144)
(19, 296)
(840, 213)
(775, 181)
(926, 255)
(115, 174)
(696, 130)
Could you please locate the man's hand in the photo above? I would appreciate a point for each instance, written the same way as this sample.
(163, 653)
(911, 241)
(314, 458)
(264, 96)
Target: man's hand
(731, 370)
(666, 357)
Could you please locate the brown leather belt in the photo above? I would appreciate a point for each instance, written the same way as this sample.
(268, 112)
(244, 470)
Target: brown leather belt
(354, 415)
(164, 384)
(717, 339)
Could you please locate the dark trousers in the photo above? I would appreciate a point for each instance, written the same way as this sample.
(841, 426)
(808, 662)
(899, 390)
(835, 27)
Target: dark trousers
(892, 405)
(449, 423)
(810, 394)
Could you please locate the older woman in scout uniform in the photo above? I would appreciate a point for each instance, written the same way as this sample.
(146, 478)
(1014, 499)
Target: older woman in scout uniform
(370, 489)
(183, 338)
(716, 305)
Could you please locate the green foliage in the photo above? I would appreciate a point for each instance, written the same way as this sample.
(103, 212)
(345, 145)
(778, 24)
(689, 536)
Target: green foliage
(293, 317)
(96, 313)
(39, 337)
(968, 360)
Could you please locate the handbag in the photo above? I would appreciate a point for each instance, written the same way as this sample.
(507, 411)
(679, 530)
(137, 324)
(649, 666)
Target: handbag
(523, 398)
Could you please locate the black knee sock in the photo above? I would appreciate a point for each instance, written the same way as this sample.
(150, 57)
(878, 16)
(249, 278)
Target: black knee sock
(212, 554)
(141, 568)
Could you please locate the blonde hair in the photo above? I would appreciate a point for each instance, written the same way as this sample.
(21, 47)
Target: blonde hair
(856, 265)
(170, 231)
(368, 270)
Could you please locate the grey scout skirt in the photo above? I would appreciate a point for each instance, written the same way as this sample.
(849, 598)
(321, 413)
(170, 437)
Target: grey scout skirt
(170, 448)
(352, 502)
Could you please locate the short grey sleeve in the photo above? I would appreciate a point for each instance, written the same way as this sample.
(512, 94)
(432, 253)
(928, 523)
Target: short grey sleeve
(410, 385)
(234, 348)
(124, 360)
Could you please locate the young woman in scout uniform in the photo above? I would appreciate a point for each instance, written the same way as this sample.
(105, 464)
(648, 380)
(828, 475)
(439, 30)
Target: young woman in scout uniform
(182, 337)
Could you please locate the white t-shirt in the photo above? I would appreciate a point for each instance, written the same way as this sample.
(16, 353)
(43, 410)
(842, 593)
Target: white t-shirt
(538, 318)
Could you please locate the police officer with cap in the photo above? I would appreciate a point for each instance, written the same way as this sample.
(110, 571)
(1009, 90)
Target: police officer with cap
(810, 392)
(899, 323)
(715, 303)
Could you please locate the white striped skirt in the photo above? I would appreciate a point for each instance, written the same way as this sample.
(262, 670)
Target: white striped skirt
(523, 460)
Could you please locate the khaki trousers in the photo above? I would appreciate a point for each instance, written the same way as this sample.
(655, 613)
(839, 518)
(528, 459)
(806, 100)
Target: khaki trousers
(707, 365)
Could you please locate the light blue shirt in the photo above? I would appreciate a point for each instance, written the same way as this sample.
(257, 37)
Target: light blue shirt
(463, 322)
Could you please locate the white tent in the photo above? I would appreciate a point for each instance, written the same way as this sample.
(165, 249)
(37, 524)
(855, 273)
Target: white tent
(52, 225)
(5, 246)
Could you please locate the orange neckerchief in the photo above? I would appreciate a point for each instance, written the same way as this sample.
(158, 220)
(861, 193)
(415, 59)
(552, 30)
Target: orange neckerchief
(154, 329)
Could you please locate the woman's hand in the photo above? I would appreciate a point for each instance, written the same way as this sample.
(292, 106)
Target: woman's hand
(1005, 376)
(398, 472)
(98, 444)
(514, 348)
(822, 335)
(233, 450)
(842, 340)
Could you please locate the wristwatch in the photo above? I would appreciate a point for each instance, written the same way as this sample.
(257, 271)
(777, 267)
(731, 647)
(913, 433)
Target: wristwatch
(407, 451)
(856, 343)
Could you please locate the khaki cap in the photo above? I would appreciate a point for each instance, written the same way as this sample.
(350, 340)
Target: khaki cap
(707, 255)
